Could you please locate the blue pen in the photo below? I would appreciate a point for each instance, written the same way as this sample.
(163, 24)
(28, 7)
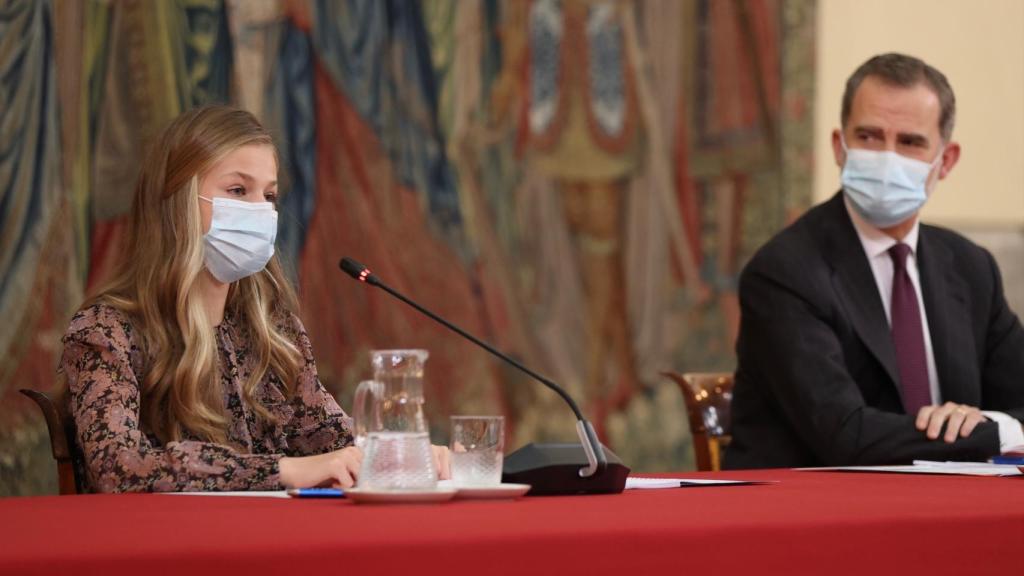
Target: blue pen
(316, 492)
(1007, 459)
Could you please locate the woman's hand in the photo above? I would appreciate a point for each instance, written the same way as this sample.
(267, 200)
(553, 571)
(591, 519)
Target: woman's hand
(339, 469)
(443, 462)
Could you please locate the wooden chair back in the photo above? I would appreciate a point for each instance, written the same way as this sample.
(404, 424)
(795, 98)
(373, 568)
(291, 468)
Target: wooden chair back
(708, 397)
(62, 441)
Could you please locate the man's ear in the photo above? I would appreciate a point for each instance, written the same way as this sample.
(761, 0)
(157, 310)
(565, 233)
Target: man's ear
(837, 147)
(950, 156)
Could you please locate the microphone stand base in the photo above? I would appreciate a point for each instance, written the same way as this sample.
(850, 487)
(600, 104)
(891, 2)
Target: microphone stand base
(552, 469)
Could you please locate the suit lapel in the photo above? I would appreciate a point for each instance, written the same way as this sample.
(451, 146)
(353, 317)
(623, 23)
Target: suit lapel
(854, 283)
(945, 302)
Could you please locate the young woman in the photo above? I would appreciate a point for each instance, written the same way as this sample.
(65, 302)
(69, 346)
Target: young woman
(191, 370)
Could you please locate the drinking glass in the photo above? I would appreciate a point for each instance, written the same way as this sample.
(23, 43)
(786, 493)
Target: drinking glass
(477, 446)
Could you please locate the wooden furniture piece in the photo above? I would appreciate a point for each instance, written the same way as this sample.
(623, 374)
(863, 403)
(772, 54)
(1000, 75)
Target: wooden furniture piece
(708, 396)
(62, 441)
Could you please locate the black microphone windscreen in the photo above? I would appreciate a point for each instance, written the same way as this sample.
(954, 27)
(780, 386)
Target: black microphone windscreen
(352, 268)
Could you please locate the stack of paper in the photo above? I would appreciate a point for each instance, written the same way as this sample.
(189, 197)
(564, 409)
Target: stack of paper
(930, 467)
(635, 483)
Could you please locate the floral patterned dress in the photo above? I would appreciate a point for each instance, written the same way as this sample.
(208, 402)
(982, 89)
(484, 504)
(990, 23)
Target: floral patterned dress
(104, 367)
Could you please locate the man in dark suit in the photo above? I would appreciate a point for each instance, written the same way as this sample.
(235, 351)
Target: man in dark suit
(865, 336)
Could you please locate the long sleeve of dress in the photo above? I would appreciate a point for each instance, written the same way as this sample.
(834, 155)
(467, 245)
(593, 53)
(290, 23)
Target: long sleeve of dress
(119, 457)
(318, 424)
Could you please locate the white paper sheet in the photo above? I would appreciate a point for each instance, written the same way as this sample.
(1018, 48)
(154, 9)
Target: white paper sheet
(635, 483)
(931, 467)
(251, 494)
(632, 483)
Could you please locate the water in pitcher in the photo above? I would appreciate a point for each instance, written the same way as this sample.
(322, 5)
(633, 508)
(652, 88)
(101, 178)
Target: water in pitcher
(398, 461)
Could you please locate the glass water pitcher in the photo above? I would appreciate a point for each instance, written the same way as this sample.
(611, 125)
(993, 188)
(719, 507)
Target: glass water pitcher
(390, 425)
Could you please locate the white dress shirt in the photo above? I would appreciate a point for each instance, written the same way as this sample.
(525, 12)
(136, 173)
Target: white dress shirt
(876, 246)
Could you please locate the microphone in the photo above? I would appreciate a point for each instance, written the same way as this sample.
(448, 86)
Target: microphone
(584, 468)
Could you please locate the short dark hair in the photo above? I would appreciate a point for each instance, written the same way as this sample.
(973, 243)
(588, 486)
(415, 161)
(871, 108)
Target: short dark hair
(904, 71)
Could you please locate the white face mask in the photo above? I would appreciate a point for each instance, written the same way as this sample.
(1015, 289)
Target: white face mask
(886, 188)
(241, 238)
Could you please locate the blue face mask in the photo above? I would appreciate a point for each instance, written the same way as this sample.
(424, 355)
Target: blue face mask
(885, 187)
(241, 238)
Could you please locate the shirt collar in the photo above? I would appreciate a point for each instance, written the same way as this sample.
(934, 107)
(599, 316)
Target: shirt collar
(876, 242)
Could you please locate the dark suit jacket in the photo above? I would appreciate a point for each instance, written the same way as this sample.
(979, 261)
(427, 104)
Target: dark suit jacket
(817, 381)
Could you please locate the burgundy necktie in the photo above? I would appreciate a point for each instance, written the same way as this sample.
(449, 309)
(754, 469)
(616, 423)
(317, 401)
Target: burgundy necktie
(908, 335)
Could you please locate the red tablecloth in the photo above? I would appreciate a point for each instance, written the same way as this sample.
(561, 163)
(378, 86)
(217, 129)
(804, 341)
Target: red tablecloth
(809, 522)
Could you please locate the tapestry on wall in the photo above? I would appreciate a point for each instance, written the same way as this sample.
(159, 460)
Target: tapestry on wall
(576, 182)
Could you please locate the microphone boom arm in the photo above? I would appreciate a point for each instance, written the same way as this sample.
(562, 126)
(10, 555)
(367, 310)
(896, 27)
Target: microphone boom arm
(596, 458)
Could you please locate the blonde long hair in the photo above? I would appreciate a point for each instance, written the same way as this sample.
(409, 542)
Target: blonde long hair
(157, 284)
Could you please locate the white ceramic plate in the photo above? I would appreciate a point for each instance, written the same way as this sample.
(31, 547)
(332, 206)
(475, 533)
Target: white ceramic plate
(398, 496)
(499, 491)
